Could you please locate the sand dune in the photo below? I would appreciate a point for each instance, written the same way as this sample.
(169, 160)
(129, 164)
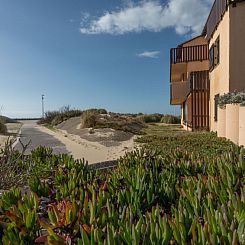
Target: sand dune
(102, 145)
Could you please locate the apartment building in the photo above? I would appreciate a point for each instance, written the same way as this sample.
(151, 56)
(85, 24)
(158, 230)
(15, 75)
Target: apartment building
(209, 65)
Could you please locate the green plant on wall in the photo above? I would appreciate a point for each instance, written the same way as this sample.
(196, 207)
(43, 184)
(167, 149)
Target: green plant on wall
(232, 98)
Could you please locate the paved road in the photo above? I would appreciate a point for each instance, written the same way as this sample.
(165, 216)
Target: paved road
(30, 131)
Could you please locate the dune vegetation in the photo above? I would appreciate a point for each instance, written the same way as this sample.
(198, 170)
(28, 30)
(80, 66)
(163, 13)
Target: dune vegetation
(101, 118)
(53, 118)
(180, 188)
(3, 128)
(94, 119)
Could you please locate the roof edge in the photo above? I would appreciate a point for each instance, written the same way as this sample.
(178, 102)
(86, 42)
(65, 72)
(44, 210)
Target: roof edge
(194, 38)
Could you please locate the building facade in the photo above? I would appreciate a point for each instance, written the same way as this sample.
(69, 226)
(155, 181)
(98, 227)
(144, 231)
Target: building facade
(209, 65)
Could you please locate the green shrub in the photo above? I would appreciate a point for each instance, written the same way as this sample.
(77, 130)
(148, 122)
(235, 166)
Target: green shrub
(56, 117)
(89, 118)
(243, 103)
(231, 98)
(93, 118)
(151, 118)
(7, 120)
(100, 111)
(170, 119)
(3, 128)
(177, 190)
(96, 111)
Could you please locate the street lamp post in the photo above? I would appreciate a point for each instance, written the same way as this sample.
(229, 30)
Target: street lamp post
(42, 105)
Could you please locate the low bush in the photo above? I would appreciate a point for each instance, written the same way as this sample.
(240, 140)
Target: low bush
(170, 119)
(16, 168)
(151, 118)
(3, 128)
(54, 118)
(94, 119)
(231, 98)
(96, 111)
(89, 118)
(4, 119)
(176, 190)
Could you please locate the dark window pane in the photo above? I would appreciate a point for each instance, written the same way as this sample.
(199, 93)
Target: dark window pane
(218, 51)
(211, 58)
(216, 100)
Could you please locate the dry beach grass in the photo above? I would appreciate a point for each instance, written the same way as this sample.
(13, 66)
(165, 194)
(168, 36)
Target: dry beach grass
(12, 132)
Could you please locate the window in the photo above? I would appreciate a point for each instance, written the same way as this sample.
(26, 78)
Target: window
(217, 50)
(216, 100)
(214, 55)
(211, 58)
(185, 111)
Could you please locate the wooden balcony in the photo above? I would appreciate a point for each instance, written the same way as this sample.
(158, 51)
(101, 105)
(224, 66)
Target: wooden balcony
(189, 54)
(195, 93)
(179, 92)
(200, 95)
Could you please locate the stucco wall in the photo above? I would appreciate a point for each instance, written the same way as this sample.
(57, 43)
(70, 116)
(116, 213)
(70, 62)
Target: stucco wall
(196, 41)
(242, 125)
(219, 77)
(237, 47)
(232, 123)
(221, 125)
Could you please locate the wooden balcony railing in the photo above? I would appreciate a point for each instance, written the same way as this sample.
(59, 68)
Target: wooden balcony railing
(189, 54)
(200, 95)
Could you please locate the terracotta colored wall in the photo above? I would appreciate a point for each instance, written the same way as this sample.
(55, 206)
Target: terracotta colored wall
(237, 47)
(178, 72)
(189, 109)
(179, 92)
(198, 66)
(197, 41)
(219, 77)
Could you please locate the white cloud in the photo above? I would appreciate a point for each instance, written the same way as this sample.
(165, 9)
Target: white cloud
(149, 54)
(185, 16)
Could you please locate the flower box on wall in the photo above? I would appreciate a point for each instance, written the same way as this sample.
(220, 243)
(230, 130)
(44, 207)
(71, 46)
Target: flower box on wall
(221, 124)
(232, 122)
(242, 125)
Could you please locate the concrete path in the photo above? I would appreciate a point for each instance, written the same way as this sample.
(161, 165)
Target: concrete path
(31, 131)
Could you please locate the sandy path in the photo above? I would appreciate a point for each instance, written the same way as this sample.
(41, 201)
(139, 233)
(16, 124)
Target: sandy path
(32, 136)
(93, 152)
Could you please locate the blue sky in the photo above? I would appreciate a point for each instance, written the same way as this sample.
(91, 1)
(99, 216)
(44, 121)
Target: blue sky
(87, 53)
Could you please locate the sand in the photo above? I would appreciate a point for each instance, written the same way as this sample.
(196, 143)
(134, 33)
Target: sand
(13, 129)
(92, 151)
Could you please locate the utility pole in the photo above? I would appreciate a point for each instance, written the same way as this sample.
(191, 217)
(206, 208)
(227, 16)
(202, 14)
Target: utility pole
(42, 105)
